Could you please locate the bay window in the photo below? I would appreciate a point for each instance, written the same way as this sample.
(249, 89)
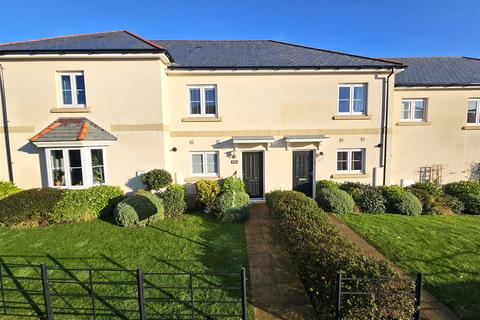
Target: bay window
(75, 167)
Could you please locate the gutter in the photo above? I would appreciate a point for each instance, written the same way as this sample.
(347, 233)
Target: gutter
(385, 133)
(5, 126)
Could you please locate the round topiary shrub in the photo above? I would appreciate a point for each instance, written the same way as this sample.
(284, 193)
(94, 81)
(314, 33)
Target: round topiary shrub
(174, 200)
(472, 203)
(335, 200)
(232, 184)
(232, 206)
(329, 184)
(401, 201)
(156, 179)
(140, 209)
(370, 200)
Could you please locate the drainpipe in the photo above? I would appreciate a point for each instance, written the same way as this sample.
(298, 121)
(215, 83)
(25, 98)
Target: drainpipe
(385, 133)
(5, 126)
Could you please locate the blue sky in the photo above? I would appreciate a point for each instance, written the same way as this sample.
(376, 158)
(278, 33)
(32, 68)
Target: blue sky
(388, 28)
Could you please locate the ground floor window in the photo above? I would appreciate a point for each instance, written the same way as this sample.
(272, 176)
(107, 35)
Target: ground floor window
(350, 160)
(204, 163)
(75, 167)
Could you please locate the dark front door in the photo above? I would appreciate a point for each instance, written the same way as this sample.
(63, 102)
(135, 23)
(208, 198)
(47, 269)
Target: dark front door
(303, 172)
(252, 166)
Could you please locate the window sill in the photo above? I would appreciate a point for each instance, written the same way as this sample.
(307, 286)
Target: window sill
(351, 117)
(412, 123)
(196, 178)
(349, 175)
(472, 127)
(202, 119)
(70, 110)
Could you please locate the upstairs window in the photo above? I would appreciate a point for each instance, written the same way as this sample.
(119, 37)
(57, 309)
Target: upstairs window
(202, 101)
(352, 99)
(350, 160)
(473, 113)
(413, 110)
(72, 89)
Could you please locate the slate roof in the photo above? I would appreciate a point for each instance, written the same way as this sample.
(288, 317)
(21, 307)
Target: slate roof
(218, 54)
(115, 41)
(438, 71)
(73, 129)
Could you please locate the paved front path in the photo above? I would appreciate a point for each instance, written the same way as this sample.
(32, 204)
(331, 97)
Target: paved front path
(432, 309)
(278, 293)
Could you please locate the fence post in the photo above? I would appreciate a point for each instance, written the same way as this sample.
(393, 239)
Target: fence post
(418, 295)
(243, 285)
(338, 306)
(46, 292)
(141, 295)
(92, 295)
(2, 289)
(190, 287)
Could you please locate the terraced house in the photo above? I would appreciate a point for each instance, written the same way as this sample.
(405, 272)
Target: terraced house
(106, 107)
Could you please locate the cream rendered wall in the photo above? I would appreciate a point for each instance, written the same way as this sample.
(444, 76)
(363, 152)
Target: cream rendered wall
(276, 104)
(123, 95)
(441, 141)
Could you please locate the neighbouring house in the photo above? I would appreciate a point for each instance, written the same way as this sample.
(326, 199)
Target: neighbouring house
(106, 107)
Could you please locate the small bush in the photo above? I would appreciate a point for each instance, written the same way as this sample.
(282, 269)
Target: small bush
(140, 209)
(428, 201)
(232, 184)
(453, 204)
(7, 188)
(156, 179)
(335, 200)
(472, 203)
(371, 200)
(462, 188)
(431, 188)
(101, 200)
(174, 200)
(401, 201)
(319, 251)
(329, 184)
(207, 192)
(32, 207)
(232, 206)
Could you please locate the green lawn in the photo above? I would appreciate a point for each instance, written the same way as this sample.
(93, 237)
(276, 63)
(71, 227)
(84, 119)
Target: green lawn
(446, 249)
(192, 242)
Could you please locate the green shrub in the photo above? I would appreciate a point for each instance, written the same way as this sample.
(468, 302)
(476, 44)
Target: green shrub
(428, 201)
(174, 200)
(370, 200)
(431, 188)
(101, 200)
(29, 207)
(156, 179)
(327, 184)
(453, 204)
(335, 200)
(462, 188)
(401, 201)
(232, 206)
(140, 209)
(71, 207)
(207, 192)
(232, 184)
(472, 203)
(319, 251)
(7, 188)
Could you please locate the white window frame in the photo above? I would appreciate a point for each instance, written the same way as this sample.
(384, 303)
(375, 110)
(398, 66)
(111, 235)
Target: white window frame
(73, 83)
(412, 110)
(477, 119)
(86, 158)
(204, 164)
(352, 86)
(202, 89)
(349, 160)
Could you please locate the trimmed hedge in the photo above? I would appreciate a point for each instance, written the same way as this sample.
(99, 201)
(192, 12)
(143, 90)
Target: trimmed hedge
(232, 206)
(232, 184)
(431, 188)
(472, 203)
(174, 201)
(462, 188)
(207, 192)
(319, 252)
(329, 184)
(140, 209)
(7, 188)
(335, 200)
(156, 179)
(401, 201)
